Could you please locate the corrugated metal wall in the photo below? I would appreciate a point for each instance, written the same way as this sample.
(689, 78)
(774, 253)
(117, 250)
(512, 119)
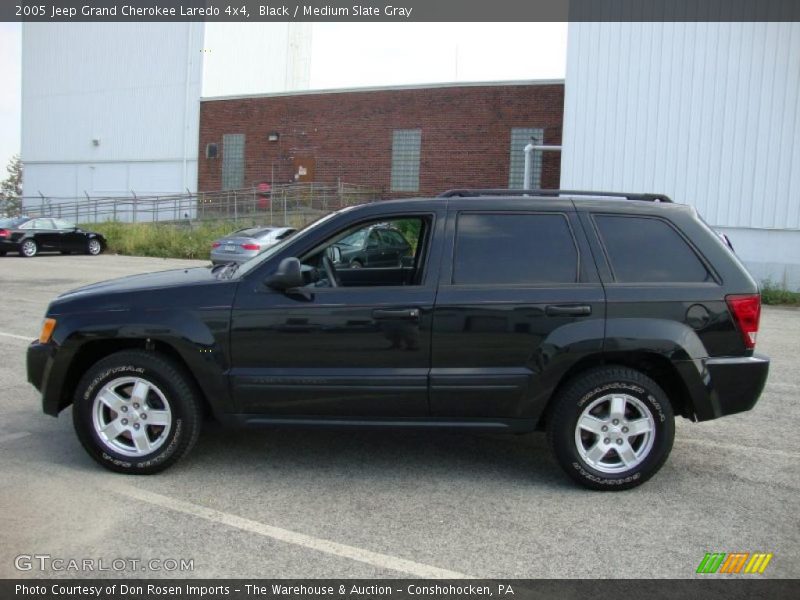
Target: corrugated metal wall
(708, 113)
(134, 87)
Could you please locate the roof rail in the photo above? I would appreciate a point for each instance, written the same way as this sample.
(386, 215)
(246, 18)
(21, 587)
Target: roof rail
(470, 193)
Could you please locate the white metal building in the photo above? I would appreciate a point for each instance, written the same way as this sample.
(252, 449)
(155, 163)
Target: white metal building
(108, 109)
(708, 113)
(112, 109)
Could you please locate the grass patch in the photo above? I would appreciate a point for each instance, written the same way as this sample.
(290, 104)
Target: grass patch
(773, 295)
(163, 240)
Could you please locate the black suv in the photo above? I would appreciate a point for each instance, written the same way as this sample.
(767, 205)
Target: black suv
(597, 317)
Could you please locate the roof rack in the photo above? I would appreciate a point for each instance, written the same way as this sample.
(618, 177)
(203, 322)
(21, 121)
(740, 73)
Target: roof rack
(468, 193)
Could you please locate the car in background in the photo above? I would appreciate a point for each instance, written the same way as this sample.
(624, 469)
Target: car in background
(29, 236)
(242, 245)
(377, 246)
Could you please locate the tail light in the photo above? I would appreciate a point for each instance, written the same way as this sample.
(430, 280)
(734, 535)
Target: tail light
(215, 245)
(251, 246)
(3, 233)
(746, 311)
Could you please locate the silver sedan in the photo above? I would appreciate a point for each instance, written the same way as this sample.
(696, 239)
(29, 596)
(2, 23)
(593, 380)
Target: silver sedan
(242, 245)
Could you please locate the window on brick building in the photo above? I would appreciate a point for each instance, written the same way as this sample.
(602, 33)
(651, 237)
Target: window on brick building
(405, 159)
(232, 161)
(520, 136)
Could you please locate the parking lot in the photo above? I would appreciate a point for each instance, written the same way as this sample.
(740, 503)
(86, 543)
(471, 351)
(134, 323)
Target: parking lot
(317, 503)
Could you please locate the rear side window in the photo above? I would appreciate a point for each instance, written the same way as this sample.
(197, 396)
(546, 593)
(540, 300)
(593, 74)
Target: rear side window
(646, 250)
(514, 249)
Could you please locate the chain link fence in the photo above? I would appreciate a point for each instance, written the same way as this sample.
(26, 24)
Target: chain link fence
(289, 204)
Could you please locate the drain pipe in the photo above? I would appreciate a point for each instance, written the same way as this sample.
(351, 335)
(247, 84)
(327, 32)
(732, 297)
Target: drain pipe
(529, 150)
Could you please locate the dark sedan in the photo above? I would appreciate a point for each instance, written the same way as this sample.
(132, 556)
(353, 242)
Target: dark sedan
(376, 246)
(31, 235)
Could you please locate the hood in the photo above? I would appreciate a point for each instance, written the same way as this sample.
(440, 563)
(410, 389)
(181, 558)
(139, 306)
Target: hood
(146, 281)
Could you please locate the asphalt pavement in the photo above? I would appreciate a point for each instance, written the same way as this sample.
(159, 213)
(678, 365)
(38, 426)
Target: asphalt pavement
(273, 503)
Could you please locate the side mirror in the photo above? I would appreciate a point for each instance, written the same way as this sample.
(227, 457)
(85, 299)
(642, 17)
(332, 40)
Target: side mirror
(334, 253)
(289, 275)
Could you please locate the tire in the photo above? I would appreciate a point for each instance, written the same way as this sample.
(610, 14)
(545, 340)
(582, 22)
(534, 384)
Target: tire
(356, 264)
(94, 247)
(613, 398)
(28, 248)
(65, 252)
(136, 444)
(2, 252)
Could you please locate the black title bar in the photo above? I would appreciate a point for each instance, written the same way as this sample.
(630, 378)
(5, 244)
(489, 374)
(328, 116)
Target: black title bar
(399, 10)
(732, 588)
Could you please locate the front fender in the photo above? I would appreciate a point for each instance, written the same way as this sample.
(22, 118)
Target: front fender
(199, 337)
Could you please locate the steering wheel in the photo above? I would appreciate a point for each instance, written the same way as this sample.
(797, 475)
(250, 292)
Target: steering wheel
(330, 271)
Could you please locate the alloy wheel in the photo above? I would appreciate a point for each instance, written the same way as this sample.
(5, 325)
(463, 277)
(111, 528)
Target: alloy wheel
(131, 416)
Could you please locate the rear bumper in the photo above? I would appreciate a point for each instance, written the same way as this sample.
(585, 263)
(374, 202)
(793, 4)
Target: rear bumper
(725, 385)
(220, 258)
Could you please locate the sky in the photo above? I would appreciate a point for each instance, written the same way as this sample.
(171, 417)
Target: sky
(353, 55)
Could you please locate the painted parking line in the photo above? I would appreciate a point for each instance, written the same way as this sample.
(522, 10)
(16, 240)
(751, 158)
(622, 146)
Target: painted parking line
(376, 559)
(26, 338)
(738, 448)
(10, 437)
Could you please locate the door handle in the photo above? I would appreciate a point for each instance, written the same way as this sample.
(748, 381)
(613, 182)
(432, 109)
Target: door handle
(579, 310)
(396, 313)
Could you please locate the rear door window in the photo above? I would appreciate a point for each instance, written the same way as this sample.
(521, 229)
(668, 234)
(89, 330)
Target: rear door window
(497, 249)
(648, 250)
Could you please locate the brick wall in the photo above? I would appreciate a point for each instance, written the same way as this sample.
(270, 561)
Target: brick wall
(466, 134)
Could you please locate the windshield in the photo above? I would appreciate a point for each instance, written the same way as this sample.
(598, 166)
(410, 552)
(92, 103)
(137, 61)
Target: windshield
(354, 239)
(12, 222)
(254, 262)
(250, 232)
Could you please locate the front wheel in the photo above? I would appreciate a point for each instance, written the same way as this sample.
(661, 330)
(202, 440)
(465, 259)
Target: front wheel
(612, 428)
(136, 412)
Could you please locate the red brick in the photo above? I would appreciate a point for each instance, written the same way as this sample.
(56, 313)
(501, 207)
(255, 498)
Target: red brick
(466, 134)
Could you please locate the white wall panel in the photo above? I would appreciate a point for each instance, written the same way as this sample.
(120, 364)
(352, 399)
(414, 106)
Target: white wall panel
(135, 87)
(705, 112)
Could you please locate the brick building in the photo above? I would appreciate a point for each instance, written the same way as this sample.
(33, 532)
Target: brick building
(400, 141)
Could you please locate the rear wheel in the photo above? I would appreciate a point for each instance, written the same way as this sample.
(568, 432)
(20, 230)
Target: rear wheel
(356, 264)
(612, 428)
(94, 247)
(136, 412)
(28, 248)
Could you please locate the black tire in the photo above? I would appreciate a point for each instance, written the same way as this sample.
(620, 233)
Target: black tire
(28, 248)
(356, 264)
(645, 405)
(65, 252)
(169, 381)
(94, 247)
(2, 252)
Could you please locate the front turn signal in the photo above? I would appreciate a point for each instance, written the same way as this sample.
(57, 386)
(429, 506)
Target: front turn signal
(48, 325)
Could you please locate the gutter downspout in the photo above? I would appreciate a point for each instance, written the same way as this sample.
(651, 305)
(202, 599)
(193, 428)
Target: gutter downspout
(529, 150)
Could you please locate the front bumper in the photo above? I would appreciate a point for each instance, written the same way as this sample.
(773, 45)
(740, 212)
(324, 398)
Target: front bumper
(37, 360)
(724, 385)
(40, 361)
